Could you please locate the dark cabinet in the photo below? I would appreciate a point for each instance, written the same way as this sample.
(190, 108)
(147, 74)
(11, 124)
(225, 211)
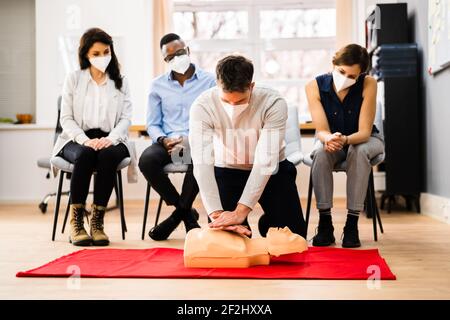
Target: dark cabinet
(402, 136)
(387, 24)
(394, 61)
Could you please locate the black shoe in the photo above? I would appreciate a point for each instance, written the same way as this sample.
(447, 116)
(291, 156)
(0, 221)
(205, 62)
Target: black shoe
(163, 230)
(324, 237)
(190, 218)
(351, 238)
(263, 225)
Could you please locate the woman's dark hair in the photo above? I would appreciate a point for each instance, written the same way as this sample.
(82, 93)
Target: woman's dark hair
(351, 55)
(88, 39)
(235, 73)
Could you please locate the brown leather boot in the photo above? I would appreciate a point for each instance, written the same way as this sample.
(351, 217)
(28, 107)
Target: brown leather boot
(78, 235)
(99, 237)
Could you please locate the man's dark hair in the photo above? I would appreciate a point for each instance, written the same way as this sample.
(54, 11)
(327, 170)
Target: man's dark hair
(168, 38)
(235, 73)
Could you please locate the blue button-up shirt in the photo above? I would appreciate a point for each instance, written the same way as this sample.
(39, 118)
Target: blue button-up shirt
(169, 103)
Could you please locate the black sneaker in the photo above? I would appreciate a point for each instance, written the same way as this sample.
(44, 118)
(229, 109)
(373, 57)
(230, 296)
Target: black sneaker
(351, 238)
(163, 230)
(190, 219)
(324, 237)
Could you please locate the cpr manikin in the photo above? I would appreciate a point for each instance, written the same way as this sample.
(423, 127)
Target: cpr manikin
(211, 248)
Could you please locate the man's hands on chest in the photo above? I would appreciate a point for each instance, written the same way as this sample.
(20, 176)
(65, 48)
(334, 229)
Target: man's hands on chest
(231, 220)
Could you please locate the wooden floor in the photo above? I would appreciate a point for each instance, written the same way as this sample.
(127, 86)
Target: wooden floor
(416, 247)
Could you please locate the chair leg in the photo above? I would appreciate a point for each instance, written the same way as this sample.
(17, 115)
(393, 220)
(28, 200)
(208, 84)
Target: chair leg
(159, 211)
(375, 205)
(372, 204)
(377, 212)
(122, 201)
(58, 200)
(69, 201)
(147, 199)
(122, 214)
(116, 191)
(308, 204)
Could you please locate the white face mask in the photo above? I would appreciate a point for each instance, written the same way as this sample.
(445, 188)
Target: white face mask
(100, 63)
(180, 64)
(341, 82)
(234, 111)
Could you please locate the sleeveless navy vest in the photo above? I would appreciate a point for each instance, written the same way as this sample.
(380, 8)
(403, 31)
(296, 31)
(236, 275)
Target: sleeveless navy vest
(343, 116)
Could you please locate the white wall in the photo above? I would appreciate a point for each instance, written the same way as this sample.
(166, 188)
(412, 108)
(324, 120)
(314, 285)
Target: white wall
(129, 21)
(437, 111)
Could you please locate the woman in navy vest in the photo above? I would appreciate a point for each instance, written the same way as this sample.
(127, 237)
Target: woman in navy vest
(343, 107)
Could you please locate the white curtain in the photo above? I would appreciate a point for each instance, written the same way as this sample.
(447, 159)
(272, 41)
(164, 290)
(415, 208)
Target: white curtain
(344, 23)
(162, 24)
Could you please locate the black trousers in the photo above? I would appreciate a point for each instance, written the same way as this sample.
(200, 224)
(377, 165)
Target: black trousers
(86, 160)
(152, 162)
(279, 201)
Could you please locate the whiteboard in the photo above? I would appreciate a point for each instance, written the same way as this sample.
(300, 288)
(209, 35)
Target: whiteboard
(438, 35)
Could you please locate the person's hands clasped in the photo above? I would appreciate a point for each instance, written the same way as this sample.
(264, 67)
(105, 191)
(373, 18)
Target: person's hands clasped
(98, 144)
(104, 143)
(92, 143)
(170, 143)
(335, 142)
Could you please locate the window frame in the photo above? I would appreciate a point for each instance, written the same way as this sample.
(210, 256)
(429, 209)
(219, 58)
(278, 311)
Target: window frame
(253, 45)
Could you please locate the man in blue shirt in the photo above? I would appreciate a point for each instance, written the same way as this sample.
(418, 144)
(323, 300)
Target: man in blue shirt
(169, 102)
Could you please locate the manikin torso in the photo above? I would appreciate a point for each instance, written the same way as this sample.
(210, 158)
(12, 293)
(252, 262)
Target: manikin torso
(210, 248)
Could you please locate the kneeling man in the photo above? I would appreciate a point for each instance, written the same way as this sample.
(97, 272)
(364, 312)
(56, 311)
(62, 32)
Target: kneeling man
(237, 148)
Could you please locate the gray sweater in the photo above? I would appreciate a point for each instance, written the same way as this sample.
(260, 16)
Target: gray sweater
(252, 141)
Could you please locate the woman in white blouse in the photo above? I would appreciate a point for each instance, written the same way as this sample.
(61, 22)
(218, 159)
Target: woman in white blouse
(95, 116)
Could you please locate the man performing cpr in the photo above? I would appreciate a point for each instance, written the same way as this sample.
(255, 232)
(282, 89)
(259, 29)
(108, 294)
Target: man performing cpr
(237, 148)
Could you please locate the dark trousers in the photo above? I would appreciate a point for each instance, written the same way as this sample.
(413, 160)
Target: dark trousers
(280, 200)
(152, 163)
(86, 160)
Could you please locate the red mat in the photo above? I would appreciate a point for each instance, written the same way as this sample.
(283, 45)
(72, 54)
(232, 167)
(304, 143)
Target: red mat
(316, 263)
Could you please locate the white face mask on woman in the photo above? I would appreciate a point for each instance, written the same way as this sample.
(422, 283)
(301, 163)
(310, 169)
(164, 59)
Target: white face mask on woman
(180, 64)
(100, 63)
(341, 82)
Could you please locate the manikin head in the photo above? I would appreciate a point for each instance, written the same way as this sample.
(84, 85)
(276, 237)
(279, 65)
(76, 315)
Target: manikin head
(283, 241)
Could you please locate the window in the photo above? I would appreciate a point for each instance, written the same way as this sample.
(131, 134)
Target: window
(290, 42)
